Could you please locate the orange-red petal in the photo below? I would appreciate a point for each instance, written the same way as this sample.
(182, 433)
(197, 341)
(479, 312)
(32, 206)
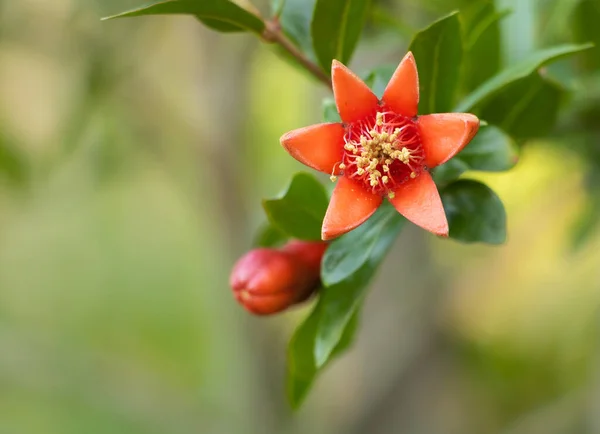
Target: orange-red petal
(402, 92)
(351, 205)
(318, 146)
(353, 98)
(443, 135)
(419, 201)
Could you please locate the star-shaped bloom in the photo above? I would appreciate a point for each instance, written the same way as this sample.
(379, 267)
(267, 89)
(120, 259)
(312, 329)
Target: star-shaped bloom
(381, 149)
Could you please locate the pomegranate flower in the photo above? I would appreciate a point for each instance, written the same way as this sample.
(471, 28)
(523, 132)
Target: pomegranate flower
(381, 149)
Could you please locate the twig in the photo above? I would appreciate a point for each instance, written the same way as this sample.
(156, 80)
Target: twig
(274, 34)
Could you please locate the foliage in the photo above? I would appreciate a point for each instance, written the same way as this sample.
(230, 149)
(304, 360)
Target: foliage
(461, 69)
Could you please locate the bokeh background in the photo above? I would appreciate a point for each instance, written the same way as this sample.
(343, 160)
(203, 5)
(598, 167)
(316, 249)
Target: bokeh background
(133, 157)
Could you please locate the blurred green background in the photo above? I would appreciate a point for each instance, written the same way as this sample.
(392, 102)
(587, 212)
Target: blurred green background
(133, 157)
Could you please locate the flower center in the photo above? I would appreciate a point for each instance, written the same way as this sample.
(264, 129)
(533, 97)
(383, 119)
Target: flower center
(382, 152)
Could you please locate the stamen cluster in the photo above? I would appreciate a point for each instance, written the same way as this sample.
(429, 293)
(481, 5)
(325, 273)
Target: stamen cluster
(382, 152)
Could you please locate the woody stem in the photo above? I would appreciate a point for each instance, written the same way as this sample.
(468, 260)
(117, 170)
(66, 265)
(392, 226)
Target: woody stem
(273, 33)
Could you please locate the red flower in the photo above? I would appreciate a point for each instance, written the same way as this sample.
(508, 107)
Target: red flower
(267, 281)
(381, 149)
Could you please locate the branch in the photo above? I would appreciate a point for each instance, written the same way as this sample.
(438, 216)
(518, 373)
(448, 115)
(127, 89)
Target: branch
(274, 34)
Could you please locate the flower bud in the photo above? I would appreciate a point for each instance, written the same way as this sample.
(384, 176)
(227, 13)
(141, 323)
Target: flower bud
(267, 281)
(310, 254)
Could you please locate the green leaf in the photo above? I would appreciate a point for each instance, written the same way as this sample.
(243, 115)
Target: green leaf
(378, 78)
(481, 29)
(342, 299)
(302, 369)
(491, 150)
(526, 108)
(380, 17)
(516, 72)
(336, 29)
(277, 7)
(583, 111)
(295, 19)
(475, 213)
(330, 113)
(300, 210)
(269, 236)
(301, 365)
(221, 15)
(587, 222)
(438, 52)
(449, 171)
(342, 258)
(585, 26)
(519, 31)
(330, 327)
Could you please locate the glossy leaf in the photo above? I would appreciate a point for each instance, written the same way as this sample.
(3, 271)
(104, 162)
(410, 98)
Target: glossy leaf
(449, 171)
(585, 26)
(295, 18)
(525, 109)
(336, 28)
(277, 7)
(475, 213)
(379, 78)
(588, 221)
(380, 17)
(343, 258)
(299, 211)
(221, 15)
(330, 327)
(516, 72)
(302, 368)
(438, 52)
(269, 236)
(519, 30)
(491, 150)
(341, 300)
(583, 112)
(330, 113)
(481, 30)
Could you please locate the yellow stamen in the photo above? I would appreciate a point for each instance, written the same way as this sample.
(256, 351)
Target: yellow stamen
(379, 147)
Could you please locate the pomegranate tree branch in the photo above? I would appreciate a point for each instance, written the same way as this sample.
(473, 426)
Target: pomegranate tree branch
(274, 34)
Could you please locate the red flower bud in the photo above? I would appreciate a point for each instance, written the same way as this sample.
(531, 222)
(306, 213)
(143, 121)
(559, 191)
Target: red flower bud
(267, 281)
(310, 254)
